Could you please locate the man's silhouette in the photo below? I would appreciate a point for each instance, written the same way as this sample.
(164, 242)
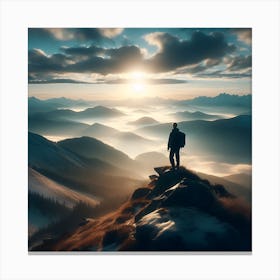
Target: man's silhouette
(175, 142)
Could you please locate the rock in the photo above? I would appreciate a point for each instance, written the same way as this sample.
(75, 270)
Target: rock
(153, 205)
(166, 181)
(140, 193)
(161, 170)
(222, 192)
(191, 194)
(153, 177)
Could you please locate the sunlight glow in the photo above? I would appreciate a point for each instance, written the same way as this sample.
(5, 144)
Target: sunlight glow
(138, 87)
(137, 75)
(138, 81)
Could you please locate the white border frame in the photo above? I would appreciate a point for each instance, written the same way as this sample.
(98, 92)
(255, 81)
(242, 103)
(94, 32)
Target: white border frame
(262, 16)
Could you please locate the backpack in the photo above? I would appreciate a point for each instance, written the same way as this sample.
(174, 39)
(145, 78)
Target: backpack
(182, 139)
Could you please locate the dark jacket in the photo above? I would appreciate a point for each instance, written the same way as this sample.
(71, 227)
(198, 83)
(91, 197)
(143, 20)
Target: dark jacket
(174, 139)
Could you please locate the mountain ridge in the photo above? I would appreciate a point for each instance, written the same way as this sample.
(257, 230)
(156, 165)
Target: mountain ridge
(176, 211)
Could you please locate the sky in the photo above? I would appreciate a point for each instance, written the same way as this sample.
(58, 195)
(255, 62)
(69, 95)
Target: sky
(116, 63)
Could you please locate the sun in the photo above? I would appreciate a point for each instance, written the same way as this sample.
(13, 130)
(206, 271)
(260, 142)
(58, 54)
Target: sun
(137, 80)
(138, 87)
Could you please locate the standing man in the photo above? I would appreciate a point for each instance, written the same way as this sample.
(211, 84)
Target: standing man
(175, 142)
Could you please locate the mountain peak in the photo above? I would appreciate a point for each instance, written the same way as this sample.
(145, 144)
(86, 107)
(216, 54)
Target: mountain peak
(176, 211)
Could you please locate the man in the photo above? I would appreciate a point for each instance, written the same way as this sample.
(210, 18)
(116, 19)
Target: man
(175, 142)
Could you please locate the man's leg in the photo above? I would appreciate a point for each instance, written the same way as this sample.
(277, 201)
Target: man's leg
(171, 158)
(177, 154)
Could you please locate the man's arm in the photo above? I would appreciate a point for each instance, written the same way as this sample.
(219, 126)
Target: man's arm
(169, 142)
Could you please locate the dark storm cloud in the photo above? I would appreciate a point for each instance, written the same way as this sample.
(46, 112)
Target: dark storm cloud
(196, 55)
(38, 61)
(83, 51)
(240, 63)
(174, 53)
(113, 60)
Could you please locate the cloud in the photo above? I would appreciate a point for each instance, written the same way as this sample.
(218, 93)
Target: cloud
(222, 74)
(194, 56)
(174, 53)
(39, 61)
(56, 81)
(63, 34)
(146, 81)
(111, 32)
(243, 35)
(115, 60)
(82, 34)
(118, 60)
(83, 51)
(240, 63)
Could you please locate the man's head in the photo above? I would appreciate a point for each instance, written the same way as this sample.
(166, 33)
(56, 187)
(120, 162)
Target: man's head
(174, 125)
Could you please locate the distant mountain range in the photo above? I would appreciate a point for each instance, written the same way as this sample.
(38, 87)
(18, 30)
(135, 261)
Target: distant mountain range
(227, 140)
(197, 115)
(36, 105)
(89, 113)
(223, 99)
(122, 140)
(144, 121)
(239, 102)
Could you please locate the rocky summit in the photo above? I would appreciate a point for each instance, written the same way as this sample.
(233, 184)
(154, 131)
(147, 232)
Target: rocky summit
(176, 211)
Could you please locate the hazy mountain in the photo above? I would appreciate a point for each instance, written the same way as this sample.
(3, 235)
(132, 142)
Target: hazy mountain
(87, 114)
(98, 130)
(148, 160)
(223, 99)
(224, 103)
(93, 148)
(176, 211)
(190, 116)
(100, 111)
(238, 189)
(152, 158)
(93, 176)
(105, 132)
(225, 140)
(42, 125)
(128, 142)
(241, 179)
(144, 121)
(68, 102)
(40, 184)
(37, 105)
